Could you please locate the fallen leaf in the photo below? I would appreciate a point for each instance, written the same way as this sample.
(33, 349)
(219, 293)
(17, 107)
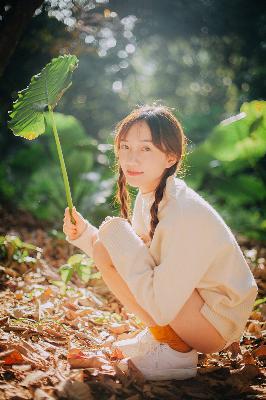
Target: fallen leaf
(78, 359)
(248, 358)
(119, 328)
(33, 378)
(13, 357)
(40, 394)
(117, 354)
(74, 391)
(260, 351)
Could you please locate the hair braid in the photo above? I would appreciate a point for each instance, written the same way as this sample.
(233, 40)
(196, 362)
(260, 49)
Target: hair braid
(158, 197)
(123, 197)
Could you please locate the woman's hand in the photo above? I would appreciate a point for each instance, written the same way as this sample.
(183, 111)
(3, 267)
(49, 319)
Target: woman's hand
(74, 231)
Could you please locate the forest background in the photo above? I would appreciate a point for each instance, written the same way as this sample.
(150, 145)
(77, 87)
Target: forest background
(205, 59)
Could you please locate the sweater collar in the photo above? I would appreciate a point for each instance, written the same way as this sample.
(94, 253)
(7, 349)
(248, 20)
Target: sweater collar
(173, 184)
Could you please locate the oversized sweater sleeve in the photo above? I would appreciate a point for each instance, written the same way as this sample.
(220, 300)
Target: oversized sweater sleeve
(186, 254)
(84, 242)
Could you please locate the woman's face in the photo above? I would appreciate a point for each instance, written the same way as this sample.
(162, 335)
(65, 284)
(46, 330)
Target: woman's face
(138, 154)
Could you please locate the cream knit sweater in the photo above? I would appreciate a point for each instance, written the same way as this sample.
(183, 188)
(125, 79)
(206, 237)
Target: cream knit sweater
(192, 247)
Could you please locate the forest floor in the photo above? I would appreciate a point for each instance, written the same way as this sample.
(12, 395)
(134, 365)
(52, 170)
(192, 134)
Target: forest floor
(57, 345)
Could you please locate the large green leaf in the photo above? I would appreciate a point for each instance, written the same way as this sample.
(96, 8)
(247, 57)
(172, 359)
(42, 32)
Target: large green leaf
(241, 190)
(45, 89)
(243, 138)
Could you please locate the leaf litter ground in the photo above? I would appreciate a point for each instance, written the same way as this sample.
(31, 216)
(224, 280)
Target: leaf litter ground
(56, 345)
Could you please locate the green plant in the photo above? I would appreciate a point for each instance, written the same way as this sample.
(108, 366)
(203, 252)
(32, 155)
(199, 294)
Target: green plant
(17, 255)
(79, 264)
(228, 170)
(28, 118)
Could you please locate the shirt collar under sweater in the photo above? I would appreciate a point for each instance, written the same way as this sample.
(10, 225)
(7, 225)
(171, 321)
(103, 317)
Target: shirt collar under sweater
(173, 185)
(172, 188)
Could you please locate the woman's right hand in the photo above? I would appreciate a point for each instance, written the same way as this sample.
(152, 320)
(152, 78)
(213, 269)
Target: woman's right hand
(74, 231)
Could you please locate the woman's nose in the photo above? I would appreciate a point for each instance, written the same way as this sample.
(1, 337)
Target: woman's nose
(132, 156)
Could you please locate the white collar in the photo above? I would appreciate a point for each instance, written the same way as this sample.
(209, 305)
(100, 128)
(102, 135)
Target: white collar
(173, 185)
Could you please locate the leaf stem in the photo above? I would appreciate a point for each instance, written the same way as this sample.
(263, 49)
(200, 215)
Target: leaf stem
(62, 164)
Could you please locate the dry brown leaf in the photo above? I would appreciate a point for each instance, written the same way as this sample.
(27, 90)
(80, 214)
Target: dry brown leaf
(12, 357)
(74, 391)
(260, 351)
(134, 397)
(40, 394)
(3, 321)
(83, 313)
(22, 367)
(15, 392)
(78, 359)
(50, 331)
(70, 315)
(248, 358)
(246, 373)
(46, 295)
(256, 315)
(33, 378)
(255, 329)
(119, 328)
(86, 302)
(117, 354)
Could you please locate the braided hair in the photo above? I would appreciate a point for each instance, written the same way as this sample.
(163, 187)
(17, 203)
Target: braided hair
(167, 135)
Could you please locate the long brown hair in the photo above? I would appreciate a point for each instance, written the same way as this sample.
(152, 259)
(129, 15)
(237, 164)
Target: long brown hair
(167, 135)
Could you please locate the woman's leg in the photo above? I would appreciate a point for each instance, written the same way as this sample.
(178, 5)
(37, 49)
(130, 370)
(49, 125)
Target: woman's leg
(189, 321)
(117, 285)
(189, 324)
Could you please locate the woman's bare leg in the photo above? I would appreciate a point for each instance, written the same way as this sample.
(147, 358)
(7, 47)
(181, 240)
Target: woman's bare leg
(117, 285)
(195, 329)
(189, 323)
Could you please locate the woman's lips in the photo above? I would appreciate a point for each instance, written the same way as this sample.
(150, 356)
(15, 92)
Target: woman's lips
(133, 173)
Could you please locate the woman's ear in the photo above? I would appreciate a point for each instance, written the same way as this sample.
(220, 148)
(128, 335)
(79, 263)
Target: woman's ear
(171, 160)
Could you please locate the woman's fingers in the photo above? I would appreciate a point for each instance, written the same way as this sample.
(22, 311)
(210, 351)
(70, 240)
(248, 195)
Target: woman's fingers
(72, 230)
(67, 215)
(68, 228)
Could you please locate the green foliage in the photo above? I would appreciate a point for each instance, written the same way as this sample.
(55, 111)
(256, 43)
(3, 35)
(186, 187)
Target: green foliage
(22, 257)
(259, 302)
(79, 264)
(44, 90)
(8, 191)
(44, 192)
(228, 169)
(18, 254)
(194, 81)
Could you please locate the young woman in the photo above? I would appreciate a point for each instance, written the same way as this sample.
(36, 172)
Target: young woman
(175, 264)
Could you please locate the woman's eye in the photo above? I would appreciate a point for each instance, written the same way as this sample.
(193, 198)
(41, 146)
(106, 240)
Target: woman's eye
(124, 146)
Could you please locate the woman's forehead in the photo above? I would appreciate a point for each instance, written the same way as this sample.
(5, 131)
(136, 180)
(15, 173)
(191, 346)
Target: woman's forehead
(138, 131)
